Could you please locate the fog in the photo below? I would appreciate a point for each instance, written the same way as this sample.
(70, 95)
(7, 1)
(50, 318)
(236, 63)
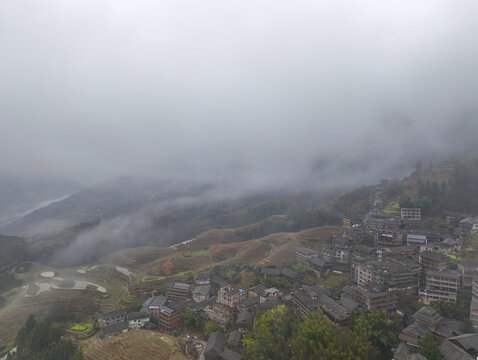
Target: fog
(259, 92)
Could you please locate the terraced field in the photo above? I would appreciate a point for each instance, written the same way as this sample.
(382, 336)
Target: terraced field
(135, 344)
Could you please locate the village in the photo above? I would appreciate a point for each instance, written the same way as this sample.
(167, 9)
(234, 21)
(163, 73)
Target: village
(405, 259)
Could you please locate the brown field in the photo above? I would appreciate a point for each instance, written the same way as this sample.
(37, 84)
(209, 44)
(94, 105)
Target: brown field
(135, 344)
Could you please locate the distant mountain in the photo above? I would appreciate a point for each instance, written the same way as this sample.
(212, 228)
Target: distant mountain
(130, 212)
(19, 195)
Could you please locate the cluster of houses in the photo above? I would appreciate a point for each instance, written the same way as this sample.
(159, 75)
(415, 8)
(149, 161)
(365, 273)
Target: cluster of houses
(404, 257)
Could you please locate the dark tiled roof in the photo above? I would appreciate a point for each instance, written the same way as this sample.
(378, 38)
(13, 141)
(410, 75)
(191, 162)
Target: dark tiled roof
(179, 286)
(231, 355)
(452, 352)
(258, 288)
(234, 338)
(113, 328)
(467, 342)
(137, 315)
(427, 315)
(245, 317)
(305, 251)
(113, 314)
(215, 344)
(348, 303)
(249, 302)
(447, 328)
(289, 273)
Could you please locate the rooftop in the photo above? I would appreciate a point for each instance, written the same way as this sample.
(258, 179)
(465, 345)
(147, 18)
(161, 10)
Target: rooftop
(113, 314)
(306, 251)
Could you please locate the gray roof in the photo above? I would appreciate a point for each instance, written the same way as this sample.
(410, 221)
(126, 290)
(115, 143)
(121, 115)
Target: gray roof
(289, 273)
(215, 344)
(452, 352)
(113, 314)
(203, 276)
(245, 317)
(249, 302)
(204, 290)
(156, 301)
(113, 329)
(315, 261)
(179, 286)
(231, 355)
(234, 338)
(467, 341)
(447, 328)
(316, 290)
(137, 315)
(306, 300)
(434, 256)
(258, 288)
(348, 303)
(447, 273)
(417, 330)
(333, 308)
(428, 315)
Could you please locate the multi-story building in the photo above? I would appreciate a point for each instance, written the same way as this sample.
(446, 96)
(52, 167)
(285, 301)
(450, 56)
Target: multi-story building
(414, 214)
(230, 296)
(220, 314)
(112, 317)
(304, 302)
(178, 291)
(136, 320)
(396, 274)
(170, 317)
(469, 271)
(431, 260)
(416, 240)
(440, 286)
(368, 299)
(335, 255)
(377, 223)
(270, 294)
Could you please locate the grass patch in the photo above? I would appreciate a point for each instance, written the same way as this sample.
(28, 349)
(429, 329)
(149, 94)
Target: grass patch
(452, 256)
(129, 298)
(193, 254)
(86, 327)
(153, 278)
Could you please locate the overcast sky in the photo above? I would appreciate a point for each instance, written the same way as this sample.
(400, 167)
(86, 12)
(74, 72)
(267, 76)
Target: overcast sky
(256, 90)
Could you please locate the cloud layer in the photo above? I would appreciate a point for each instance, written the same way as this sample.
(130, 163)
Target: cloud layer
(256, 91)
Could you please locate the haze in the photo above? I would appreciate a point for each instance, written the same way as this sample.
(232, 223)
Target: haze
(262, 92)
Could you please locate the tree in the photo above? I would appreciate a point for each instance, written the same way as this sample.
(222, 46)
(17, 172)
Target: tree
(467, 327)
(271, 339)
(317, 339)
(192, 321)
(210, 327)
(429, 347)
(377, 328)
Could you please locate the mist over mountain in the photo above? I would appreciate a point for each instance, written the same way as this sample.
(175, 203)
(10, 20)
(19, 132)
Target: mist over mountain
(21, 195)
(206, 106)
(265, 93)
